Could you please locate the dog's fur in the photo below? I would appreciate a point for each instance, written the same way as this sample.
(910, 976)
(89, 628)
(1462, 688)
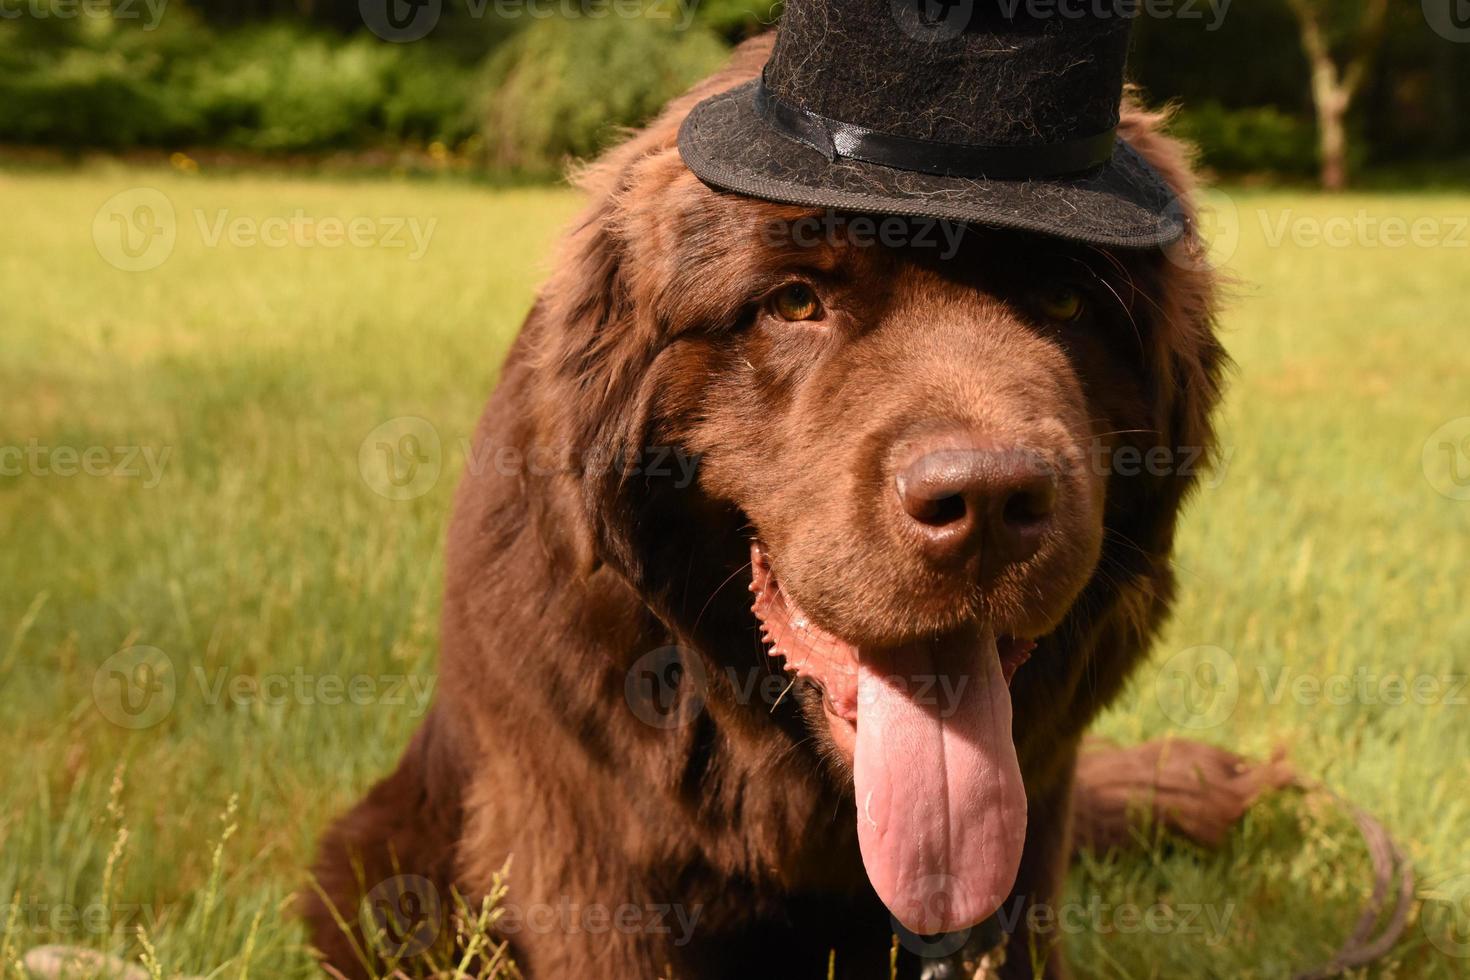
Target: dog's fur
(564, 570)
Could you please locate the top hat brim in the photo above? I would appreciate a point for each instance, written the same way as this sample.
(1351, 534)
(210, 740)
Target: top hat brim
(1124, 203)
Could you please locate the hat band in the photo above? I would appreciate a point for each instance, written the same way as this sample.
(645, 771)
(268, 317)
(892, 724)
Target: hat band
(833, 138)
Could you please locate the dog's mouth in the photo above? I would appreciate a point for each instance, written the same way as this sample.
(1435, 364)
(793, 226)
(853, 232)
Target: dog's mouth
(941, 806)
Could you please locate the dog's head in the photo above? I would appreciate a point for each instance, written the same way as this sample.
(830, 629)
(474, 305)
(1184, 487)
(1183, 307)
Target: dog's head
(913, 444)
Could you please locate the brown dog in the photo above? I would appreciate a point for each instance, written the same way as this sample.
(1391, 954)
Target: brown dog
(717, 396)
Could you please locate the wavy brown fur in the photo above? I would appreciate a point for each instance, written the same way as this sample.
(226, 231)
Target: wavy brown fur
(560, 578)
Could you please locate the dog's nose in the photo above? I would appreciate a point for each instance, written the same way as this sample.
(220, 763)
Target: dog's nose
(969, 497)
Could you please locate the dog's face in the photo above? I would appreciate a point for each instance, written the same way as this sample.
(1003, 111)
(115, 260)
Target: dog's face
(905, 447)
(909, 435)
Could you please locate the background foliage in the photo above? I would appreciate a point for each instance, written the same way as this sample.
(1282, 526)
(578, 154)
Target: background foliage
(515, 93)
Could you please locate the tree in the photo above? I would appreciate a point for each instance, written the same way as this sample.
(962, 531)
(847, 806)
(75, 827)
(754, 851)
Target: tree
(1331, 28)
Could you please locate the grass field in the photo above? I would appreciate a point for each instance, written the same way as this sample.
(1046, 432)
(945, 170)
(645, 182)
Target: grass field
(189, 486)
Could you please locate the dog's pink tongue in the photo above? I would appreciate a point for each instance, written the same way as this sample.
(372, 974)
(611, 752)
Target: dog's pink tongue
(941, 807)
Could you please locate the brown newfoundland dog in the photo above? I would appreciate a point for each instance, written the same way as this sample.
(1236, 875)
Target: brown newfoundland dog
(694, 783)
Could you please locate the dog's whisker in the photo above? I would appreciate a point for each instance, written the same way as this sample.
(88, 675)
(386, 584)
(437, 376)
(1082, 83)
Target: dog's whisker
(715, 594)
(786, 690)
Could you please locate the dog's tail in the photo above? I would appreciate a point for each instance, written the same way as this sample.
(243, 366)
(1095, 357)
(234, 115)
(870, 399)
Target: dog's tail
(1189, 788)
(1201, 791)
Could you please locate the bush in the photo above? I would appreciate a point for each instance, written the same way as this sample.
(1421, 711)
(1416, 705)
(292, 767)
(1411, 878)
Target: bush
(1250, 140)
(277, 87)
(91, 82)
(564, 87)
(736, 19)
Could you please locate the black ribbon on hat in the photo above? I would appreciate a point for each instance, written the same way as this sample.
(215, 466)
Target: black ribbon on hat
(833, 138)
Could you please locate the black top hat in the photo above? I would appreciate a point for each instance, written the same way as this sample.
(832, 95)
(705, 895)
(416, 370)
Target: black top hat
(998, 112)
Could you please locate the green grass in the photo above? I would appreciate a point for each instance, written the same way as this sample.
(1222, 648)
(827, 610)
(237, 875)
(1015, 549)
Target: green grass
(261, 550)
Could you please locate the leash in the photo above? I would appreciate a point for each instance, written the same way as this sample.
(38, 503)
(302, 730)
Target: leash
(1361, 947)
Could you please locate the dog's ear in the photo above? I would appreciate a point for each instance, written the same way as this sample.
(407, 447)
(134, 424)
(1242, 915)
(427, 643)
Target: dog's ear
(590, 348)
(1179, 296)
(599, 330)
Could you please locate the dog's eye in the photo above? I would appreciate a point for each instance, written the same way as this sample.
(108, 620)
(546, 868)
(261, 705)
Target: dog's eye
(1060, 302)
(797, 301)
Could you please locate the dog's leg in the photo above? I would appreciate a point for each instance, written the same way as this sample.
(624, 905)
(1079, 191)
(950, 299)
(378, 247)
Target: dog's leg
(1194, 789)
(396, 846)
